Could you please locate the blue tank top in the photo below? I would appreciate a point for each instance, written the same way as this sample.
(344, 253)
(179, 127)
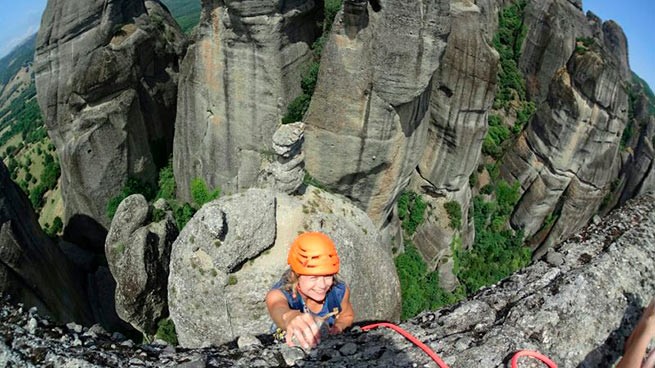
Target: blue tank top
(332, 300)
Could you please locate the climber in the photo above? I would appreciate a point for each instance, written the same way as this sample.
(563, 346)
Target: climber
(635, 346)
(309, 295)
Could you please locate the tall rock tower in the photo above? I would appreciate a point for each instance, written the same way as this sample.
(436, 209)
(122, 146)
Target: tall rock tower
(106, 79)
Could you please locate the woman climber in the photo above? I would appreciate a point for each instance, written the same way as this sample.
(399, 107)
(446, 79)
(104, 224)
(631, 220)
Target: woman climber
(309, 294)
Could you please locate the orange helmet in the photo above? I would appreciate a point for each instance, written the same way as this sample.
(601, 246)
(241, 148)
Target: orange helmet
(313, 253)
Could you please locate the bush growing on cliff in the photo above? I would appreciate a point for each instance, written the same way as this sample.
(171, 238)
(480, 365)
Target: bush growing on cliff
(133, 186)
(497, 250)
(507, 41)
(454, 211)
(166, 182)
(201, 194)
(411, 210)
(298, 107)
(420, 289)
(166, 331)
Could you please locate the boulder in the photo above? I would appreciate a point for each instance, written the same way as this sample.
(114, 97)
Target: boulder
(138, 252)
(287, 170)
(234, 249)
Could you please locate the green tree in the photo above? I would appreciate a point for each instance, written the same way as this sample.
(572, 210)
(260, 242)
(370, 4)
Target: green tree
(201, 194)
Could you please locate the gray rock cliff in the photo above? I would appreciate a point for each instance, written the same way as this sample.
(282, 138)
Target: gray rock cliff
(236, 80)
(568, 155)
(106, 79)
(463, 89)
(367, 123)
(32, 268)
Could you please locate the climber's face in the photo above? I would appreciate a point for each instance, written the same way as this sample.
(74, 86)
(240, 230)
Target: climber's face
(315, 287)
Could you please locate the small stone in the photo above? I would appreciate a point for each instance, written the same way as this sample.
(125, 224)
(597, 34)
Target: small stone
(127, 343)
(77, 341)
(291, 354)
(348, 349)
(31, 326)
(72, 326)
(248, 341)
(117, 336)
(33, 311)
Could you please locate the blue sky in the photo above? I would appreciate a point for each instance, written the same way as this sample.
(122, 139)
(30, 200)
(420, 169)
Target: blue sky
(21, 18)
(637, 18)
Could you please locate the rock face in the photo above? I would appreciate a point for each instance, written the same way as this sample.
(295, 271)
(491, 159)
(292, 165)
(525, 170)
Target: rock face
(234, 249)
(553, 27)
(567, 157)
(462, 92)
(106, 79)
(578, 312)
(138, 253)
(248, 56)
(368, 120)
(32, 268)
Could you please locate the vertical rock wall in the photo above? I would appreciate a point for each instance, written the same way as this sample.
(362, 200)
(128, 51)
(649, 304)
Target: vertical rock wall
(567, 157)
(237, 79)
(106, 79)
(32, 268)
(367, 123)
(552, 28)
(462, 93)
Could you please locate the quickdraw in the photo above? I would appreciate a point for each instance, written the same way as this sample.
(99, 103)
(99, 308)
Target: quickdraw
(441, 364)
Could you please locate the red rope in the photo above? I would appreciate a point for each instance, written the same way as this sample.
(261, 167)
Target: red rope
(532, 354)
(441, 364)
(411, 338)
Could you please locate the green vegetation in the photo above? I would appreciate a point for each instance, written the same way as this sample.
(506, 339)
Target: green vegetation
(166, 331)
(133, 186)
(166, 182)
(48, 181)
(201, 194)
(411, 211)
(496, 135)
(20, 56)
(635, 91)
(420, 289)
(497, 251)
(23, 116)
(508, 41)
(298, 107)
(185, 12)
(454, 211)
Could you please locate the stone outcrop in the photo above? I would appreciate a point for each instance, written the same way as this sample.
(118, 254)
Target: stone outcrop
(463, 90)
(577, 309)
(32, 268)
(234, 249)
(368, 120)
(567, 156)
(286, 171)
(248, 56)
(552, 29)
(106, 79)
(138, 250)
